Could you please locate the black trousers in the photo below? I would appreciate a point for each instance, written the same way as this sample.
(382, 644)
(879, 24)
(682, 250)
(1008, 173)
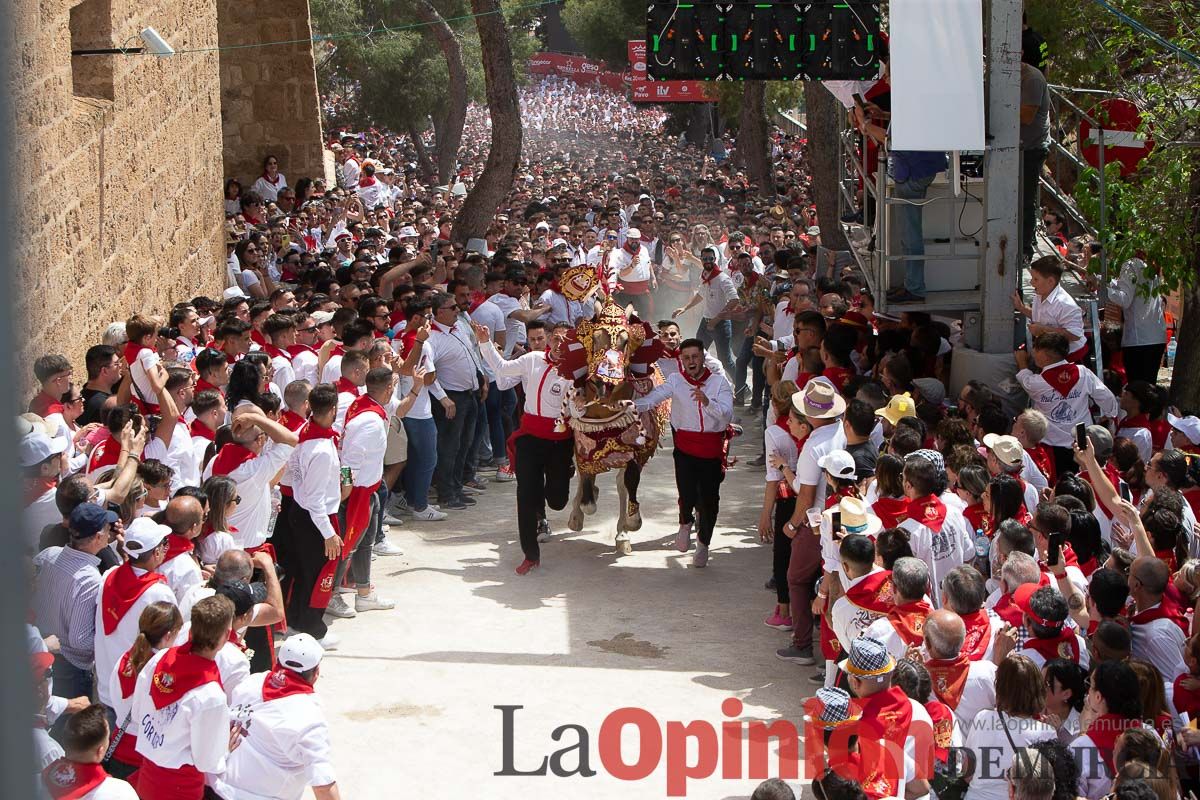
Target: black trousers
(1142, 362)
(300, 548)
(699, 483)
(781, 549)
(1064, 460)
(544, 469)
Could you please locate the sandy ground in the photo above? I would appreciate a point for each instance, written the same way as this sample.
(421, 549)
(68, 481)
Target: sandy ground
(411, 694)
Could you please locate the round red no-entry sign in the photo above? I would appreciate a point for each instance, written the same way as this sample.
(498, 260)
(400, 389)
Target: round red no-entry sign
(1120, 121)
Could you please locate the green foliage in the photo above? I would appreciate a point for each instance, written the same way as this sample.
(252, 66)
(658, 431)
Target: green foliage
(781, 96)
(604, 27)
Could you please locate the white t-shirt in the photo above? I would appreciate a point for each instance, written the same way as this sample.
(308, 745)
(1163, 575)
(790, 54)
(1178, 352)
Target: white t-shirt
(110, 647)
(820, 442)
(985, 731)
(514, 329)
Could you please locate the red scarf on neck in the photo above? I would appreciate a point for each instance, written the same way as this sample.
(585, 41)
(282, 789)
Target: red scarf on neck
(201, 430)
(37, 487)
(121, 590)
(292, 421)
(886, 717)
(709, 279)
(909, 621)
(1045, 461)
(874, 593)
(274, 352)
(282, 683)
(1064, 645)
(297, 349)
(949, 678)
(177, 546)
(1136, 421)
(44, 405)
(838, 376)
(943, 728)
(178, 672)
(132, 350)
(928, 511)
(365, 404)
(977, 517)
(65, 779)
(126, 677)
(979, 635)
(345, 385)
(1062, 378)
(1007, 610)
(231, 456)
(273, 181)
(1164, 610)
(203, 386)
(1104, 731)
(312, 430)
(891, 510)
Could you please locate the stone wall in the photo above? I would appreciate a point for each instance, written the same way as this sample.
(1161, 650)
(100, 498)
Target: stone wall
(117, 169)
(269, 101)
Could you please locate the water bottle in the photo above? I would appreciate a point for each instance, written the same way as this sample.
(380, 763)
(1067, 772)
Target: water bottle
(1171, 348)
(982, 545)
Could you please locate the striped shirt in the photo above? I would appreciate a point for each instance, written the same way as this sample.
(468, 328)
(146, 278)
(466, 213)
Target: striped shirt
(65, 593)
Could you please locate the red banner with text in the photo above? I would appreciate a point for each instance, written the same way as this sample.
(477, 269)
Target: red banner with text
(648, 91)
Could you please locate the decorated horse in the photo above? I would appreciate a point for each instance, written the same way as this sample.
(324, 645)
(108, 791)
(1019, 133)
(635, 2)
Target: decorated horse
(610, 361)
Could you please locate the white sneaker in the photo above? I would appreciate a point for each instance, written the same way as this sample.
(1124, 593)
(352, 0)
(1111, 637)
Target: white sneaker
(372, 602)
(544, 531)
(683, 538)
(337, 608)
(397, 504)
(700, 557)
(386, 548)
(329, 641)
(390, 520)
(430, 514)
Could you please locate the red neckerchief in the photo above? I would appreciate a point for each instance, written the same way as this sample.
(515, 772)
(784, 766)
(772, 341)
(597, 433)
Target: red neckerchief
(1067, 554)
(943, 728)
(1160, 429)
(1062, 378)
(338, 350)
(890, 510)
(886, 717)
(366, 180)
(37, 487)
(177, 546)
(203, 386)
(949, 678)
(273, 181)
(977, 517)
(275, 352)
(198, 428)
(312, 431)
(121, 590)
(1045, 462)
(132, 350)
(1186, 701)
(178, 672)
(1168, 557)
(874, 593)
(44, 405)
(1104, 731)
(231, 456)
(840, 492)
(297, 349)
(1164, 610)
(909, 621)
(1007, 610)
(704, 376)
(928, 511)
(714, 273)
(979, 634)
(1136, 421)
(837, 376)
(292, 421)
(1064, 645)
(105, 454)
(258, 338)
(344, 385)
(364, 404)
(65, 779)
(232, 358)
(282, 683)
(126, 677)
(1089, 566)
(236, 641)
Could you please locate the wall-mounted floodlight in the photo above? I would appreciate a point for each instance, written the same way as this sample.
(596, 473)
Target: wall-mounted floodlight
(156, 45)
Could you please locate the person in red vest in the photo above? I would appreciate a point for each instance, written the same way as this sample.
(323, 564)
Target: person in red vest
(904, 625)
(895, 734)
(544, 455)
(125, 591)
(78, 775)
(701, 410)
(364, 441)
(182, 711)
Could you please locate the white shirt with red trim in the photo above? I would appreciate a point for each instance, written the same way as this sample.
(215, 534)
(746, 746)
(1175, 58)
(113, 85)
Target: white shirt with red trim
(252, 517)
(1063, 412)
(232, 662)
(687, 413)
(332, 370)
(544, 387)
(314, 473)
(304, 366)
(781, 325)
(942, 550)
(1160, 641)
(363, 444)
(284, 374)
(626, 266)
(345, 398)
(139, 373)
(285, 750)
(669, 365)
(182, 573)
(110, 648)
(193, 730)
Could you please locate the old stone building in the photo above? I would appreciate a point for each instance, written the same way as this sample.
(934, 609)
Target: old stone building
(119, 160)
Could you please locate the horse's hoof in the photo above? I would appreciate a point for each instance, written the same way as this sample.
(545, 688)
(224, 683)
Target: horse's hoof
(623, 544)
(575, 521)
(633, 518)
(588, 508)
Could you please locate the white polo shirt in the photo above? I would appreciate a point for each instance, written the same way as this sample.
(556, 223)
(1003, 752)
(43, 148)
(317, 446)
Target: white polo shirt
(193, 730)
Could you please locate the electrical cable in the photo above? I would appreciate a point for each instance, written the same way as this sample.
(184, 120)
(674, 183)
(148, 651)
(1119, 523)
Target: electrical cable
(1186, 55)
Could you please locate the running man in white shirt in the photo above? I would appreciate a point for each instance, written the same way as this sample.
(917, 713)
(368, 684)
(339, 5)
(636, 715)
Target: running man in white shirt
(719, 296)
(701, 410)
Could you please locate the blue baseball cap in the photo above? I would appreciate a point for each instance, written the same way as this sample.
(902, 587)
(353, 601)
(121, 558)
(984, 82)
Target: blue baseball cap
(88, 519)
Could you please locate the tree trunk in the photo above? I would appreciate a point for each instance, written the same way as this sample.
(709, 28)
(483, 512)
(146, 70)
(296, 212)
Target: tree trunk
(423, 162)
(505, 153)
(450, 132)
(822, 111)
(698, 124)
(1185, 379)
(753, 142)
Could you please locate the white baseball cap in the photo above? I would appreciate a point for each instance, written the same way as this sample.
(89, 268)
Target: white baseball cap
(557, 243)
(1188, 426)
(407, 232)
(633, 233)
(36, 447)
(300, 652)
(143, 535)
(839, 464)
(233, 292)
(542, 226)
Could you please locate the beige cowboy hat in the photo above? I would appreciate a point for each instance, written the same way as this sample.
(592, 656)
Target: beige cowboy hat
(1007, 449)
(856, 517)
(819, 400)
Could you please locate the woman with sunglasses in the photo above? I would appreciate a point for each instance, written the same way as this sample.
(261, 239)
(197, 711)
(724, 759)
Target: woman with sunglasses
(216, 536)
(1113, 704)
